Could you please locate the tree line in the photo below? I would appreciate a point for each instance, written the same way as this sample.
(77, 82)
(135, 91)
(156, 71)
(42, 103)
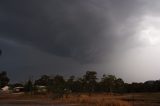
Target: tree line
(88, 83)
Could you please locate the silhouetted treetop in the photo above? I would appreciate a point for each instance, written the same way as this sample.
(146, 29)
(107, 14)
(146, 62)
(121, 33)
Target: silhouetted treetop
(4, 80)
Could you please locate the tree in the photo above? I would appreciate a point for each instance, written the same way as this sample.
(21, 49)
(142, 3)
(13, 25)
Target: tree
(57, 86)
(28, 86)
(79, 85)
(70, 83)
(90, 80)
(119, 84)
(59, 83)
(108, 82)
(4, 80)
(44, 80)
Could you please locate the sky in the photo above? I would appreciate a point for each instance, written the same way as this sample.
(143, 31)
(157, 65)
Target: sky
(69, 37)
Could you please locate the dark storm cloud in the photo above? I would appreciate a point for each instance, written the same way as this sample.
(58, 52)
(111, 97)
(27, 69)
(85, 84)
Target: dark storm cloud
(85, 30)
(22, 62)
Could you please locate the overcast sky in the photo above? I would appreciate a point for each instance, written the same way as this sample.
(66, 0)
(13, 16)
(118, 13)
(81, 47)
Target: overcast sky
(69, 37)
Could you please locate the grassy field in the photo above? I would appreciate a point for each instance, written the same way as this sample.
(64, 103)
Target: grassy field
(103, 99)
(143, 99)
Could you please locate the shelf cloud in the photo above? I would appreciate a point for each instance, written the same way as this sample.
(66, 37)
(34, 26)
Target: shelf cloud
(85, 31)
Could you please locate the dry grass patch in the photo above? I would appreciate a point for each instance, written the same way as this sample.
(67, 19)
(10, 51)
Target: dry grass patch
(94, 100)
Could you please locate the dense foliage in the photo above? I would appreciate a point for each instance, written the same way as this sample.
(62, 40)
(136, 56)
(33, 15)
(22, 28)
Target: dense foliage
(87, 83)
(90, 83)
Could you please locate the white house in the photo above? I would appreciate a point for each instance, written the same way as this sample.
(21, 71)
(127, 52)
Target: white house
(18, 89)
(5, 89)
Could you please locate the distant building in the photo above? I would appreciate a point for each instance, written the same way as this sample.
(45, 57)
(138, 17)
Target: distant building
(18, 89)
(41, 89)
(5, 89)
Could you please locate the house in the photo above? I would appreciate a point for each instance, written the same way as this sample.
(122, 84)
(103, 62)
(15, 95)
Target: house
(5, 89)
(18, 89)
(41, 89)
